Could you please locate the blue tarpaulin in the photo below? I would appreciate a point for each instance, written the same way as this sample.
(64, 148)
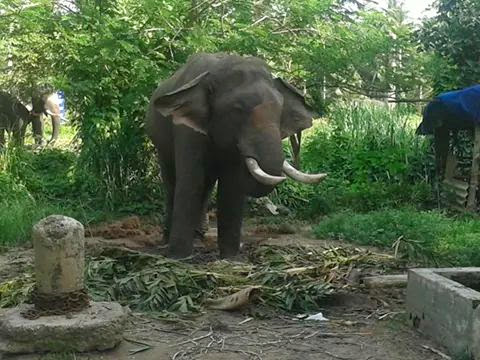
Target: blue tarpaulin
(62, 105)
(454, 109)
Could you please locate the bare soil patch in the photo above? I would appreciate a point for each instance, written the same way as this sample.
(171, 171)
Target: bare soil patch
(365, 325)
(130, 232)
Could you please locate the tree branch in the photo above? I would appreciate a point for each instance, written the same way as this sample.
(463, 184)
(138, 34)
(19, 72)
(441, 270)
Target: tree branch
(368, 90)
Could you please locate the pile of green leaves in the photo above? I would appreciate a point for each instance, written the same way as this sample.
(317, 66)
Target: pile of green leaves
(292, 279)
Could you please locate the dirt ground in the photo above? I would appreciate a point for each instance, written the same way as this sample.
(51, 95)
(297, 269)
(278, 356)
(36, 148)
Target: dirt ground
(361, 326)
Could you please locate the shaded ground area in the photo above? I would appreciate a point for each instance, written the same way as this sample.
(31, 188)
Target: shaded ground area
(367, 325)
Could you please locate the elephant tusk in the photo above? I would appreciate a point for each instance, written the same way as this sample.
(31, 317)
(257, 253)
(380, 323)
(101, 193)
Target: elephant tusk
(53, 114)
(299, 176)
(260, 175)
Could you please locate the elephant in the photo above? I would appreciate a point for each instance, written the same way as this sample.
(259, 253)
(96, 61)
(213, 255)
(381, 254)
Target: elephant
(221, 118)
(45, 103)
(14, 118)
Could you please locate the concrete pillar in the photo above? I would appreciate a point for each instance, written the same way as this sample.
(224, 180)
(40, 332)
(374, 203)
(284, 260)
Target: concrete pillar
(59, 246)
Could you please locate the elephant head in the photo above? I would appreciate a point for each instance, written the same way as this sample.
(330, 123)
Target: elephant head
(45, 103)
(243, 110)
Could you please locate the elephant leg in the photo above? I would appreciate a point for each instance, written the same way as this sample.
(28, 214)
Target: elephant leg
(230, 204)
(18, 132)
(202, 227)
(37, 126)
(441, 145)
(16, 137)
(168, 178)
(55, 128)
(190, 184)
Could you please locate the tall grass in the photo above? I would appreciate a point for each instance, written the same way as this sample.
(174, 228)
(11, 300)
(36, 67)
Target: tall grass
(373, 158)
(425, 237)
(369, 143)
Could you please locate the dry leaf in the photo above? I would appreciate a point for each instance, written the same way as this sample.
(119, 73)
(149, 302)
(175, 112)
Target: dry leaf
(234, 301)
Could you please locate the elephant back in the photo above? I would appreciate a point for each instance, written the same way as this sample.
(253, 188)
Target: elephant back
(11, 110)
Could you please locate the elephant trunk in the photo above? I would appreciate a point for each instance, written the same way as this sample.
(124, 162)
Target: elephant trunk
(37, 127)
(299, 176)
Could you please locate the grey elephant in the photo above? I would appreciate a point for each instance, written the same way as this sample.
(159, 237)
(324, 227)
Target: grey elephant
(14, 118)
(44, 103)
(222, 118)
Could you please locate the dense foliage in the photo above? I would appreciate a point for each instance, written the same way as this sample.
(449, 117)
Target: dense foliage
(108, 57)
(451, 35)
(373, 158)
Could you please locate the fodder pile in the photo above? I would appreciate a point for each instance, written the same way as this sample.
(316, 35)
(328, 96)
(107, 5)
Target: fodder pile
(292, 279)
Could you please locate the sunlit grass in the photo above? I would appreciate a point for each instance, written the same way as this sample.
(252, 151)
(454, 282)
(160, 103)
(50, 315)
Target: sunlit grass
(426, 237)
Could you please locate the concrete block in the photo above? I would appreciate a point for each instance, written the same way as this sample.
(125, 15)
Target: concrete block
(99, 327)
(445, 309)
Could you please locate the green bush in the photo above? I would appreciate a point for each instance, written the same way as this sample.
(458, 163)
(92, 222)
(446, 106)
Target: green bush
(428, 237)
(18, 216)
(10, 189)
(373, 159)
(368, 143)
(48, 173)
(53, 181)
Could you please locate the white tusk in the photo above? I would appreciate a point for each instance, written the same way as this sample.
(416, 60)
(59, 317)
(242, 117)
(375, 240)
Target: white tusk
(260, 175)
(300, 176)
(52, 114)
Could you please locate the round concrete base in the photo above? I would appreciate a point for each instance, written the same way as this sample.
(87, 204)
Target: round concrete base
(99, 327)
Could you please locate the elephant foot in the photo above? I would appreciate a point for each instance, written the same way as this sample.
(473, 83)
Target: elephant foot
(232, 253)
(52, 142)
(179, 256)
(179, 250)
(164, 239)
(39, 143)
(232, 257)
(199, 237)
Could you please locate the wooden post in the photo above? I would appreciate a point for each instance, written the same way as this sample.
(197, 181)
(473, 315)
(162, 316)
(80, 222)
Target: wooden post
(441, 144)
(451, 166)
(472, 192)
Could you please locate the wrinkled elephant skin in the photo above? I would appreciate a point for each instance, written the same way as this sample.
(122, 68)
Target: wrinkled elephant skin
(14, 118)
(220, 118)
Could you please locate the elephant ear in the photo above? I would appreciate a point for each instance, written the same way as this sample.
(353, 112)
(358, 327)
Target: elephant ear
(296, 114)
(187, 104)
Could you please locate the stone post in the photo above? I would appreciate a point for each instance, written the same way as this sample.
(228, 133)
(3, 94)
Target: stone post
(59, 246)
(62, 318)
